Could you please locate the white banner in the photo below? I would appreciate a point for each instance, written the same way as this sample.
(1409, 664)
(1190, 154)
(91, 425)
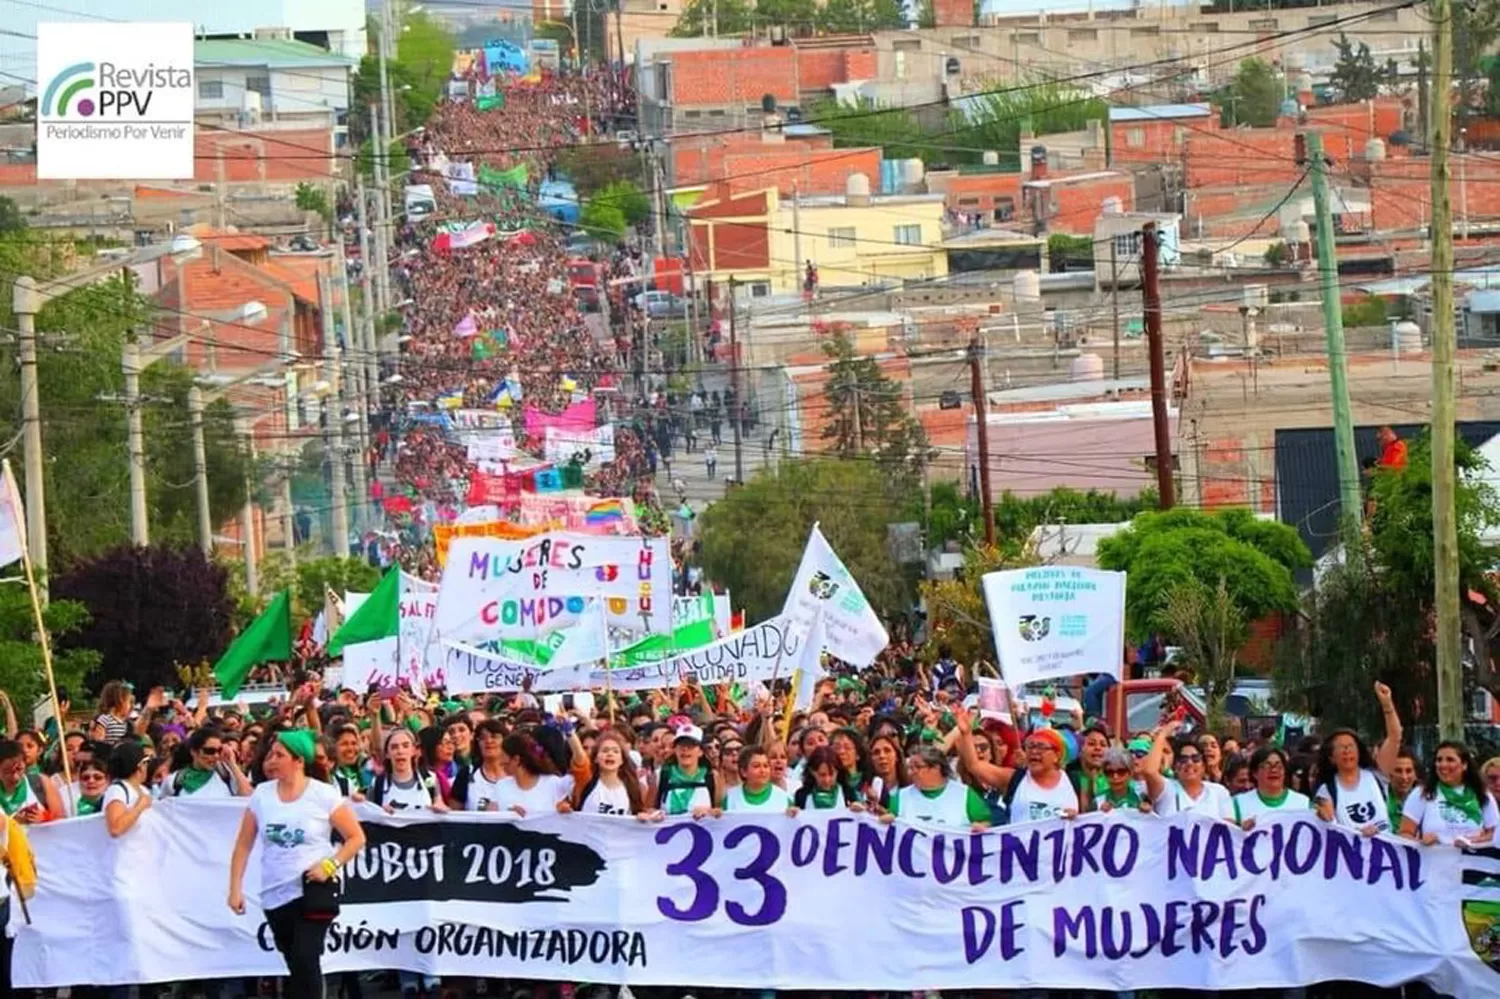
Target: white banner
(1102, 902)
(562, 444)
(490, 583)
(383, 662)
(855, 633)
(1056, 621)
(761, 653)
(492, 448)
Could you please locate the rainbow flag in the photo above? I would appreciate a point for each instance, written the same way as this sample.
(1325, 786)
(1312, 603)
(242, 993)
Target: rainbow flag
(605, 514)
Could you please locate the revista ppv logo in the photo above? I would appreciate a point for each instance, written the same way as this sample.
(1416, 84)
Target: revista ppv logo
(70, 82)
(119, 91)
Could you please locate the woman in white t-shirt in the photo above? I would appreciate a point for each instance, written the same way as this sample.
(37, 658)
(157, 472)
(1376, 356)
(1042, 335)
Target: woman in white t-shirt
(481, 784)
(614, 787)
(402, 786)
(1451, 806)
(1192, 791)
(126, 799)
(755, 792)
(1350, 781)
(295, 817)
(1268, 770)
(533, 787)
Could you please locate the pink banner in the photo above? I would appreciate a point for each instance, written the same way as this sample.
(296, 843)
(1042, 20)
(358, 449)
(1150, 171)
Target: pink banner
(578, 417)
(587, 514)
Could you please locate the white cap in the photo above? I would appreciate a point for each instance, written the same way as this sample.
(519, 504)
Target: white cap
(692, 732)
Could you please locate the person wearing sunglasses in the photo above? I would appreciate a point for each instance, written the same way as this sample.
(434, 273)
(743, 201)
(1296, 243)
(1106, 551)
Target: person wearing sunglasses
(93, 779)
(1191, 790)
(202, 769)
(1269, 769)
(1350, 782)
(1119, 793)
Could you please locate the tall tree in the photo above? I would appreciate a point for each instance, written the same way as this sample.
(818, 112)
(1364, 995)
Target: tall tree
(753, 537)
(151, 610)
(703, 17)
(22, 674)
(868, 414)
(1355, 75)
(1254, 96)
(994, 121)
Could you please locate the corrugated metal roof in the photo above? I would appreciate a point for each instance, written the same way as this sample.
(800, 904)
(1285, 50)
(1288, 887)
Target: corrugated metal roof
(1159, 112)
(1483, 301)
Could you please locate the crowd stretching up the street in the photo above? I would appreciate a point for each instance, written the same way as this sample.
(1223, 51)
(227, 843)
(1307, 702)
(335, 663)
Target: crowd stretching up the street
(901, 741)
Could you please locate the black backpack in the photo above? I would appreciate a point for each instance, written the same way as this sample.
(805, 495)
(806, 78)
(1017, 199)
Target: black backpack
(382, 785)
(219, 772)
(1015, 783)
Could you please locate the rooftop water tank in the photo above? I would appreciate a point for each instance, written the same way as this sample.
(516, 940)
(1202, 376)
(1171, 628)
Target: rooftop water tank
(1406, 337)
(911, 172)
(857, 189)
(1111, 205)
(991, 157)
(1027, 286)
(1086, 368)
(1374, 150)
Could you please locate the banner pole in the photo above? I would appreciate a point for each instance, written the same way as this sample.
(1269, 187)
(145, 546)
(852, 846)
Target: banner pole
(609, 687)
(791, 705)
(41, 628)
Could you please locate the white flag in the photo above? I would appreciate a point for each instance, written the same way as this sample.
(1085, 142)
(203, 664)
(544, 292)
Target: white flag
(810, 670)
(823, 586)
(12, 521)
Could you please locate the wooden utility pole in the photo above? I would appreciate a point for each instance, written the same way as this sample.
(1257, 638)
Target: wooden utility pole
(982, 433)
(734, 381)
(1450, 670)
(1114, 296)
(1151, 300)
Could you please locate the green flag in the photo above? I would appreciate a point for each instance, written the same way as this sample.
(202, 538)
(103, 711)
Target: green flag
(378, 617)
(268, 639)
(490, 103)
(516, 176)
(691, 629)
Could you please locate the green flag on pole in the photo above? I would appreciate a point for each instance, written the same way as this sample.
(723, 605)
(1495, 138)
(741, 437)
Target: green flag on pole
(268, 639)
(378, 617)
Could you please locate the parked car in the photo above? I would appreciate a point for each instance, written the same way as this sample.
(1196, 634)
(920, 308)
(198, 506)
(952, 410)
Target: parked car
(662, 305)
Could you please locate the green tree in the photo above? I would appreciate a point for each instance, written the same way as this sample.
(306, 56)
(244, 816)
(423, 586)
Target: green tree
(1355, 77)
(1253, 97)
(1181, 548)
(956, 613)
(753, 538)
(799, 16)
(22, 673)
(1211, 629)
(994, 121)
(700, 17)
(311, 198)
(397, 162)
(858, 16)
(629, 199)
(865, 123)
(84, 432)
(1278, 254)
(603, 218)
(11, 219)
(1475, 29)
(598, 165)
(868, 413)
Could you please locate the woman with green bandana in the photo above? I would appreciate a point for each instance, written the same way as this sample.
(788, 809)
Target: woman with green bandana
(1451, 806)
(936, 797)
(207, 773)
(1268, 769)
(351, 773)
(1120, 793)
(825, 786)
(93, 779)
(294, 816)
(755, 792)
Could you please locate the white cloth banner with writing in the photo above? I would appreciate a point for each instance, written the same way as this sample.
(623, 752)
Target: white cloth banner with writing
(760, 653)
(1056, 621)
(490, 583)
(822, 583)
(386, 661)
(758, 901)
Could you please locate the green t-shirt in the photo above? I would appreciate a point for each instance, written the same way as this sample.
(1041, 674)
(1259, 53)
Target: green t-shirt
(974, 805)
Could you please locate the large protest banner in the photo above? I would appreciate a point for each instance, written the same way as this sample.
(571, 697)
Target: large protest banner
(1102, 902)
(1055, 621)
(443, 534)
(490, 584)
(761, 653)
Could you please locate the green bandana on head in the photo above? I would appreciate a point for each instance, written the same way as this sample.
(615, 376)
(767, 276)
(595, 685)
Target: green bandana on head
(299, 742)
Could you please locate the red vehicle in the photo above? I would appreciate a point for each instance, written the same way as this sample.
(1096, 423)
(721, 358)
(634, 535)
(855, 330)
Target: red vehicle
(583, 273)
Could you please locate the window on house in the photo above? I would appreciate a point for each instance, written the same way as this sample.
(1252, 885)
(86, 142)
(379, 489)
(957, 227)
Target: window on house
(966, 41)
(260, 83)
(1263, 24)
(968, 202)
(716, 113)
(1005, 209)
(692, 114)
(841, 237)
(1386, 15)
(909, 235)
(1026, 37)
(1127, 244)
(1145, 31)
(760, 289)
(1135, 138)
(211, 90)
(907, 45)
(1206, 27)
(1083, 35)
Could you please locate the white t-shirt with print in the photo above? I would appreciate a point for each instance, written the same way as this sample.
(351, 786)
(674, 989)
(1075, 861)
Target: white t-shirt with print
(119, 791)
(1250, 805)
(482, 791)
(293, 835)
(1359, 806)
(540, 799)
(605, 800)
(1213, 800)
(412, 795)
(1034, 803)
(1435, 816)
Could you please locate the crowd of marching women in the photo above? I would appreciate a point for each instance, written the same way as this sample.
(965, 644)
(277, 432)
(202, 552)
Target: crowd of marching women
(900, 741)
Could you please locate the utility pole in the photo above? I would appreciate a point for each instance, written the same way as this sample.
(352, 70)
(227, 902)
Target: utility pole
(26, 303)
(1448, 639)
(1114, 287)
(379, 233)
(245, 429)
(135, 444)
(387, 51)
(796, 237)
(288, 514)
(366, 294)
(734, 381)
(333, 423)
(982, 433)
(1333, 328)
(1151, 300)
(359, 394)
(200, 471)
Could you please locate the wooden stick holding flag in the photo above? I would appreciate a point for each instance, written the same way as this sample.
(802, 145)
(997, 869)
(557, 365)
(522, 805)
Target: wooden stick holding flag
(12, 547)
